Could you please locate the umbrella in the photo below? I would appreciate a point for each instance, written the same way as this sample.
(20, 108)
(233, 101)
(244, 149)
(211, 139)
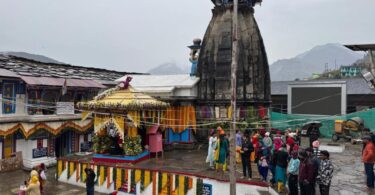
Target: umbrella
(306, 126)
(312, 123)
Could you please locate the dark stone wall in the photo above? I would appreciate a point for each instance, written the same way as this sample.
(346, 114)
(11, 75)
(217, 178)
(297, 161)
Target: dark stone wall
(214, 66)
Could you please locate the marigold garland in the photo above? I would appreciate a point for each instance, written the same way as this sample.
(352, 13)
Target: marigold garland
(147, 179)
(102, 175)
(154, 190)
(137, 175)
(181, 185)
(186, 184)
(71, 168)
(60, 168)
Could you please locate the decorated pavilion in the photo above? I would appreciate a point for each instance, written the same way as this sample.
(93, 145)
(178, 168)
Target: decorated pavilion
(122, 117)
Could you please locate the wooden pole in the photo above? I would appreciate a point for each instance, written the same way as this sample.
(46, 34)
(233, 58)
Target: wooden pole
(232, 138)
(372, 63)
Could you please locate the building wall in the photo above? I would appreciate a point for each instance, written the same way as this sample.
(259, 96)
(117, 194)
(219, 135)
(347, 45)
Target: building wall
(26, 147)
(186, 92)
(354, 102)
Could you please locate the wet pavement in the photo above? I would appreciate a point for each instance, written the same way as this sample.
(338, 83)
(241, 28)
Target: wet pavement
(11, 181)
(348, 175)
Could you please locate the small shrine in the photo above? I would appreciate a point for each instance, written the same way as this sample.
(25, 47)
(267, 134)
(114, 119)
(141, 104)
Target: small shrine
(121, 118)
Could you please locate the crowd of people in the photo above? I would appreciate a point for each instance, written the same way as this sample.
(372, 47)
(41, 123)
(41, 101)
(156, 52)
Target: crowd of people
(278, 157)
(35, 184)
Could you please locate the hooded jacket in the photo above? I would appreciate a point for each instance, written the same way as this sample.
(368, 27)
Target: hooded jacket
(368, 154)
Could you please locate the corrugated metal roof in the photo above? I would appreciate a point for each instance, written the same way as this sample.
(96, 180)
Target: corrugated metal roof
(50, 81)
(7, 73)
(177, 81)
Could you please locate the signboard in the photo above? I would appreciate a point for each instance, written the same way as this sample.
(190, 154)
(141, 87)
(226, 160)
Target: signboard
(86, 146)
(40, 152)
(207, 189)
(64, 108)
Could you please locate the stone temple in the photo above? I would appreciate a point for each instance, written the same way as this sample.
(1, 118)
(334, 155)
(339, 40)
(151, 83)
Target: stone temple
(214, 64)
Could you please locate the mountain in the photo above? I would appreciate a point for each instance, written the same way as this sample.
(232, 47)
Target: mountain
(167, 69)
(313, 61)
(35, 57)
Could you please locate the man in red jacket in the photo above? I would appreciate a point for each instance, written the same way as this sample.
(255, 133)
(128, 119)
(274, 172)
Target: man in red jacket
(368, 158)
(306, 174)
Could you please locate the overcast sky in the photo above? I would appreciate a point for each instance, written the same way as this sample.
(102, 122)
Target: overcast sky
(138, 35)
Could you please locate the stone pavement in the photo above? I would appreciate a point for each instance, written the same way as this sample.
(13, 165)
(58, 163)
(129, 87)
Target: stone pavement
(348, 179)
(11, 181)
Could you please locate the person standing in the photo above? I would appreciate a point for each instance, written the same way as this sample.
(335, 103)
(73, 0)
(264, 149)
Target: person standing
(325, 173)
(238, 146)
(281, 165)
(246, 149)
(267, 141)
(298, 137)
(33, 187)
(265, 154)
(316, 163)
(293, 169)
(90, 181)
(314, 135)
(211, 149)
(42, 176)
(306, 174)
(368, 158)
(290, 143)
(221, 152)
(277, 142)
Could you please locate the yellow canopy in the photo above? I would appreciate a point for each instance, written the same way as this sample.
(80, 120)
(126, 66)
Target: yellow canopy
(122, 99)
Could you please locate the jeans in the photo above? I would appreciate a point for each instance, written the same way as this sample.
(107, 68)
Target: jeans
(306, 189)
(264, 172)
(272, 169)
(293, 184)
(246, 166)
(369, 169)
(90, 190)
(324, 189)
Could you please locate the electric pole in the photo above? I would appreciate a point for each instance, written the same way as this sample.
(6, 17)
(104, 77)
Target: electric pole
(232, 139)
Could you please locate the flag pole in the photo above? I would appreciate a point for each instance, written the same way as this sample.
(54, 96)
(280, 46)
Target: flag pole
(232, 139)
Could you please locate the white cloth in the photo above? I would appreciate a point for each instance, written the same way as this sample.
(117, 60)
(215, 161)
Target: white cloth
(211, 150)
(43, 176)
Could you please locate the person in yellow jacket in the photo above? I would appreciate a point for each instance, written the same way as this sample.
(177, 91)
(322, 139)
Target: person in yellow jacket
(33, 187)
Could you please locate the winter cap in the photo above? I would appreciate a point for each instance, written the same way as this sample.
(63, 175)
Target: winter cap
(324, 153)
(294, 154)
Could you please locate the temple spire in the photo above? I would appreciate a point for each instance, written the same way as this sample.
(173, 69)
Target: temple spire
(250, 3)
